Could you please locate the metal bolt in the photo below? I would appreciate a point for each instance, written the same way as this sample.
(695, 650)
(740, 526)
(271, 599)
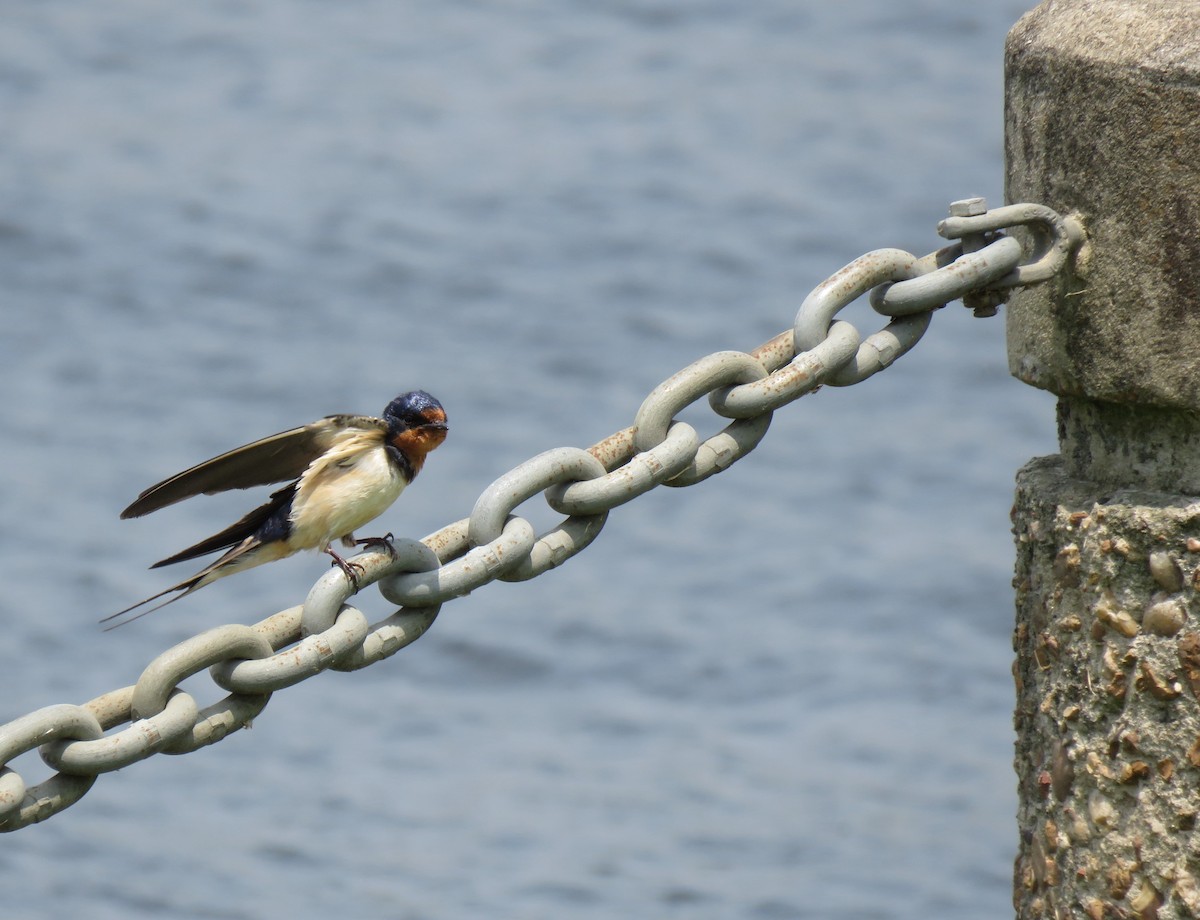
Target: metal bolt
(968, 207)
(984, 303)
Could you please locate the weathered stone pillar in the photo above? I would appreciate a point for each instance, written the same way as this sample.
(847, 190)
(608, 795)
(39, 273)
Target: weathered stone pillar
(1103, 122)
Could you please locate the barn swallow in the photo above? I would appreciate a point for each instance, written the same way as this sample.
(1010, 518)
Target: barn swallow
(346, 471)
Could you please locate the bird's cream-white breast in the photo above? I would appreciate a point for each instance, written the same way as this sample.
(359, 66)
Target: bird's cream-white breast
(351, 484)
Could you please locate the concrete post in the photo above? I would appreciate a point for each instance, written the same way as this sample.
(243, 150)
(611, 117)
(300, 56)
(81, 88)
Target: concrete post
(1103, 122)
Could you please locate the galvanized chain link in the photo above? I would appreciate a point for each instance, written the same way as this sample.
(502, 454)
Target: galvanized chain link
(252, 662)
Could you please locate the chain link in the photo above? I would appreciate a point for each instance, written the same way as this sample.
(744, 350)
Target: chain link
(252, 662)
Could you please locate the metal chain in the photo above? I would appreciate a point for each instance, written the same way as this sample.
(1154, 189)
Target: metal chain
(252, 662)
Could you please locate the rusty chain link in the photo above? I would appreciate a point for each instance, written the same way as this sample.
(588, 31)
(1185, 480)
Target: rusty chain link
(252, 662)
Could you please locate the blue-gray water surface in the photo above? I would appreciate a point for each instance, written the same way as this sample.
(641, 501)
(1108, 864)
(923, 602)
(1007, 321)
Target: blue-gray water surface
(783, 693)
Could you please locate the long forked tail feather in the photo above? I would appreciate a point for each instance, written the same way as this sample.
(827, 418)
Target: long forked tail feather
(184, 588)
(247, 554)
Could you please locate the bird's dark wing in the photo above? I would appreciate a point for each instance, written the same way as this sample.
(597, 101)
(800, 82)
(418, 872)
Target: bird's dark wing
(281, 456)
(232, 536)
(235, 533)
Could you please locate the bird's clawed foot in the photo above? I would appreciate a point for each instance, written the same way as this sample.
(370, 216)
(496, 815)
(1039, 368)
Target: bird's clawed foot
(352, 569)
(384, 542)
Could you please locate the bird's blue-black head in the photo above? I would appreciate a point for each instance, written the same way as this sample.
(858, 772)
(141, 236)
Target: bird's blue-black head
(416, 425)
(416, 409)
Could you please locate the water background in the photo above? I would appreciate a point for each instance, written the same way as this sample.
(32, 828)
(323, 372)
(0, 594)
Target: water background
(784, 693)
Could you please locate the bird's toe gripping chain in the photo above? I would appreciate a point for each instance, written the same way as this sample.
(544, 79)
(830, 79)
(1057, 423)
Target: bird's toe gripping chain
(384, 542)
(352, 569)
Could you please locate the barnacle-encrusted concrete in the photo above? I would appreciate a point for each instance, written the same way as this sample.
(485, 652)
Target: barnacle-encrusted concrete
(1108, 715)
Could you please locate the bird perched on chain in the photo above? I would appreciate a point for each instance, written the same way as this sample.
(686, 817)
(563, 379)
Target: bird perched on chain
(346, 471)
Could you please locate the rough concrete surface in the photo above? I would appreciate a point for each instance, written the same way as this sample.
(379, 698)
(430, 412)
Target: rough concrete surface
(1102, 115)
(1108, 699)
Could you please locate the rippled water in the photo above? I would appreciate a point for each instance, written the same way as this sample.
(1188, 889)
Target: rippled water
(783, 693)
